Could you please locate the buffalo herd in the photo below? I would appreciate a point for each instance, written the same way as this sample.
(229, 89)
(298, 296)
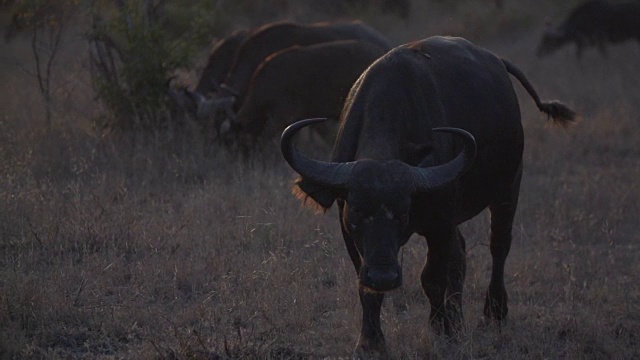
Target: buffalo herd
(257, 81)
(427, 135)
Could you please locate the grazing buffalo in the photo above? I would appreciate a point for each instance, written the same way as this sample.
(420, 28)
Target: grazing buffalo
(594, 23)
(296, 83)
(186, 102)
(219, 63)
(278, 36)
(430, 135)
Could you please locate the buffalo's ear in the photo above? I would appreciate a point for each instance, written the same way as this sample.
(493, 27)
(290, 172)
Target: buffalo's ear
(313, 194)
(417, 154)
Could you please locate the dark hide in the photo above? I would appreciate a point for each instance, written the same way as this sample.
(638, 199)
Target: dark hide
(196, 104)
(594, 23)
(386, 126)
(278, 36)
(219, 63)
(297, 83)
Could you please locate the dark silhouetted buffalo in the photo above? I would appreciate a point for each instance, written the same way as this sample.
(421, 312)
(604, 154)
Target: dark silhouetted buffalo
(219, 62)
(430, 135)
(296, 83)
(595, 23)
(186, 102)
(279, 36)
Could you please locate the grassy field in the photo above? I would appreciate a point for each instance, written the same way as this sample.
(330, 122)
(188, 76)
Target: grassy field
(157, 247)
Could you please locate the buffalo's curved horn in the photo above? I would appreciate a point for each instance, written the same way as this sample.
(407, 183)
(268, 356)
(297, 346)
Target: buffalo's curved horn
(430, 178)
(224, 102)
(197, 96)
(215, 84)
(326, 173)
(231, 90)
(217, 102)
(207, 107)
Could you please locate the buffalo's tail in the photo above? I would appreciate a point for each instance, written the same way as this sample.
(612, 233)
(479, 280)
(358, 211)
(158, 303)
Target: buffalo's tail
(557, 111)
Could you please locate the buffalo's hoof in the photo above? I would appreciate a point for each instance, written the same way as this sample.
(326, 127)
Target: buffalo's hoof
(448, 323)
(495, 307)
(366, 350)
(360, 354)
(451, 330)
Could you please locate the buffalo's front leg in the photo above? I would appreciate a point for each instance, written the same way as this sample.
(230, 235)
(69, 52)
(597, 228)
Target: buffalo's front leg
(371, 343)
(442, 279)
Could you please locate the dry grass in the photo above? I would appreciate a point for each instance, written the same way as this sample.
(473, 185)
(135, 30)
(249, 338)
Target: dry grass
(111, 248)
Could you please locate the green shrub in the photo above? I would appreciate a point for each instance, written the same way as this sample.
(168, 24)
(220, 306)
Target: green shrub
(135, 49)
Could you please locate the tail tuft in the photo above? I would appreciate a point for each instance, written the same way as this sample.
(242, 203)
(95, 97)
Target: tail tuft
(559, 113)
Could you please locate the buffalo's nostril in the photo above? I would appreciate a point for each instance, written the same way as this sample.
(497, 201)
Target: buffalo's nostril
(381, 279)
(383, 276)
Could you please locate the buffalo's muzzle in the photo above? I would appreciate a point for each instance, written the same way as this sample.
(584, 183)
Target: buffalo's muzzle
(381, 278)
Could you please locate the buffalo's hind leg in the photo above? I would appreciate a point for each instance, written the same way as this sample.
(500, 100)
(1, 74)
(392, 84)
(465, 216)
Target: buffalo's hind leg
(457, 274)
(503, 210)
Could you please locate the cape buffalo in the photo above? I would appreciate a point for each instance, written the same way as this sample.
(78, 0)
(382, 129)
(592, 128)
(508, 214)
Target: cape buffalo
(299, 82)
(278, 36)
(187, 102)
(219, 63)
(393, 172)
(594, 23)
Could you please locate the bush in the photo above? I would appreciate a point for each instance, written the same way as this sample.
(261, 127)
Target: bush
(135, 49)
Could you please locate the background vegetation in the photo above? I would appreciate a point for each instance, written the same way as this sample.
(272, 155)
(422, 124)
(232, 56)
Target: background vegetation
(150, 244)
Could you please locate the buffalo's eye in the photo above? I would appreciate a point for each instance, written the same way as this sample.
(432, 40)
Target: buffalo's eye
(403, 219)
